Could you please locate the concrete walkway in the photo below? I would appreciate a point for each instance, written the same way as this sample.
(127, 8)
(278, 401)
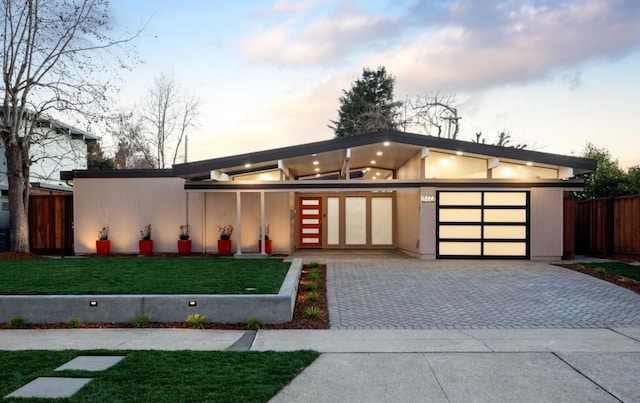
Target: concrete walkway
(524, 365)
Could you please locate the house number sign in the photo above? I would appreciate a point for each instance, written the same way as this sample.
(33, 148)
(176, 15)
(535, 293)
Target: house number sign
(428, 198)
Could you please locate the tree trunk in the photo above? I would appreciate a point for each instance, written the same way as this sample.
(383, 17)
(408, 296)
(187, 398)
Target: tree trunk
(18, 178)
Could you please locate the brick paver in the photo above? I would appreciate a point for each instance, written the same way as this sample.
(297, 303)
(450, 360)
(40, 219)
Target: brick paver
(411, 294)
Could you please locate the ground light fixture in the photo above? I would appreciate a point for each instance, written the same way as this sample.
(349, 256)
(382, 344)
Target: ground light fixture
(192, 303)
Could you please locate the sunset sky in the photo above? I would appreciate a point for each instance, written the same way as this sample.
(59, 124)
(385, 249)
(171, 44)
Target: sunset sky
(556, 74)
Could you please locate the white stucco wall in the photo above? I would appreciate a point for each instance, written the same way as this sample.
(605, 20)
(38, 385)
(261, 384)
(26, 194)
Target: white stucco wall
(546, 223)
(126, 206)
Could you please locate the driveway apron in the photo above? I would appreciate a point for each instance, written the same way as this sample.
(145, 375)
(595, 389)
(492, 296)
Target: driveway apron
(456, 294)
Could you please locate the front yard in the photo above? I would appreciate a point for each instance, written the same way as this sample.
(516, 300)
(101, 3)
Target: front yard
(134, 275)
(162, 376)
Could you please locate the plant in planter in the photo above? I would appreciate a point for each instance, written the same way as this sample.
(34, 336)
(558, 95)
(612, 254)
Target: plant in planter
(224, 243)
(267, 241)
(146, 243)
(103, 244)
(184, 243)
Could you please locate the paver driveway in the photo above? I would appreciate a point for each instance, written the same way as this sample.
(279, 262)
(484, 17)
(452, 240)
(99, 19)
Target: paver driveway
(406, 293)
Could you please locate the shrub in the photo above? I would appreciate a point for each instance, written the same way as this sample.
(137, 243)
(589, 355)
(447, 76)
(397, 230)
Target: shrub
(600, 270)
(74, 322)
(196, 320)
(141, 320)
(254, 322)
(314, 275)
(311, 286)
(312, 297)
(16, 322)
(314, 264)
(314, 313)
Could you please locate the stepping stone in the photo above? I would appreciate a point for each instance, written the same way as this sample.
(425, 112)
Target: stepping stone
(91, 363)
(51, 387)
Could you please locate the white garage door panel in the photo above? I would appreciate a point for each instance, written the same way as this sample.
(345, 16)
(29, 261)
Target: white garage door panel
(505, 232)
(460, 215)
(460, 248)
(505, 199)
(505, 249)
(460, 231)
(505, 215)
(461, 199)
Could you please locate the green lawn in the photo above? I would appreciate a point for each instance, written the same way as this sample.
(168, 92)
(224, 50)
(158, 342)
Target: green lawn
(162, 376)
(619, 268)
(135, 275)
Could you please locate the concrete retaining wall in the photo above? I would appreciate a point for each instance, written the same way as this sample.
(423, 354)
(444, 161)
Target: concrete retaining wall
(277, 308)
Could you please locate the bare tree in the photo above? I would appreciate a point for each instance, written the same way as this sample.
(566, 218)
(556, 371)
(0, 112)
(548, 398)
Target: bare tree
(53, 51)
(432, 112)
(504, 140)
(132, 149)
(170, 114)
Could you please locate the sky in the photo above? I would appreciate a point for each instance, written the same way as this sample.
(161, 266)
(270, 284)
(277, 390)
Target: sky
(268, 73)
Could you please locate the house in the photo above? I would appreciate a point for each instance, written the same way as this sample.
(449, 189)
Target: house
(429, 197)
(59, 147)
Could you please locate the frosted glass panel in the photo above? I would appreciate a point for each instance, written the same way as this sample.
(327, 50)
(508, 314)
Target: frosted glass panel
(460, 231)
(381, 221)
(505, 249)
(505, 232)
(310, 240)
(310, 230)
(312, 202)
(460, 199)
(310, 212)
(455, 215)
(460, 248)
(355, 220)
(505, 199)
(333, 220)
(310, 221)
(505, 215)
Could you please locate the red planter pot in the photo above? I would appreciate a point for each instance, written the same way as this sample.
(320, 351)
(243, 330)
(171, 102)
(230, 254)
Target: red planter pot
(103, 247)
(267, 246)
(146, 247)
(224, 247)
(184, 247)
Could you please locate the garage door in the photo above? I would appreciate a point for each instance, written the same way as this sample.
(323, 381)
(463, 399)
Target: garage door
(483, 224)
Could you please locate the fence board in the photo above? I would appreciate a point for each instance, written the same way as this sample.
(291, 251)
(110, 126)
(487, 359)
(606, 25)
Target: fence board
(51, 223)
(608, 227)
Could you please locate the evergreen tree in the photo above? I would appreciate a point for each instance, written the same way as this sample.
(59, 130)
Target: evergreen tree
(368, 106)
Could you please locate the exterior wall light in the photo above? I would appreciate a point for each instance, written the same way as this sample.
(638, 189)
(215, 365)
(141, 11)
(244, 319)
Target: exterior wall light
(93, 303)
(193, 303)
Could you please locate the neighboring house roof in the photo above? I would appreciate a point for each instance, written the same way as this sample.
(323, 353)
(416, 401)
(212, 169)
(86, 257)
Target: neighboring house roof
(63, 128)
(332, 156)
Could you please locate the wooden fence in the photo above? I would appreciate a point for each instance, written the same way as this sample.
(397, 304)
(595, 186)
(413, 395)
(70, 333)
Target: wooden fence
(51, 224)
(606, 227)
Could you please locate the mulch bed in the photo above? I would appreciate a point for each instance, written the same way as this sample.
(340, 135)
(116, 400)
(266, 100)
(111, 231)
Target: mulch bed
(621, 281)
(300, 320)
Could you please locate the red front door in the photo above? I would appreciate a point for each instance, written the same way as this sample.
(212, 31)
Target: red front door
(310, 223)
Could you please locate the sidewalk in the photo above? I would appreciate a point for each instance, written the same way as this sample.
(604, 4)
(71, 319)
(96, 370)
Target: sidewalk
(525, 365)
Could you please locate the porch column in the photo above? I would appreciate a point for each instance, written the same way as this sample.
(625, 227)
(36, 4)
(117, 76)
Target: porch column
(204, 222)
(238, 221)
(262, 227)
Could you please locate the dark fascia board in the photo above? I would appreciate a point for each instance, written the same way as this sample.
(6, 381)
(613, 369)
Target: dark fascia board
(201, 167)
(380, 184)
(116, 173)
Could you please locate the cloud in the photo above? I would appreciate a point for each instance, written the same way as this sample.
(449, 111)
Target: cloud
(327, 40)
(529, 43)
(465, 45)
